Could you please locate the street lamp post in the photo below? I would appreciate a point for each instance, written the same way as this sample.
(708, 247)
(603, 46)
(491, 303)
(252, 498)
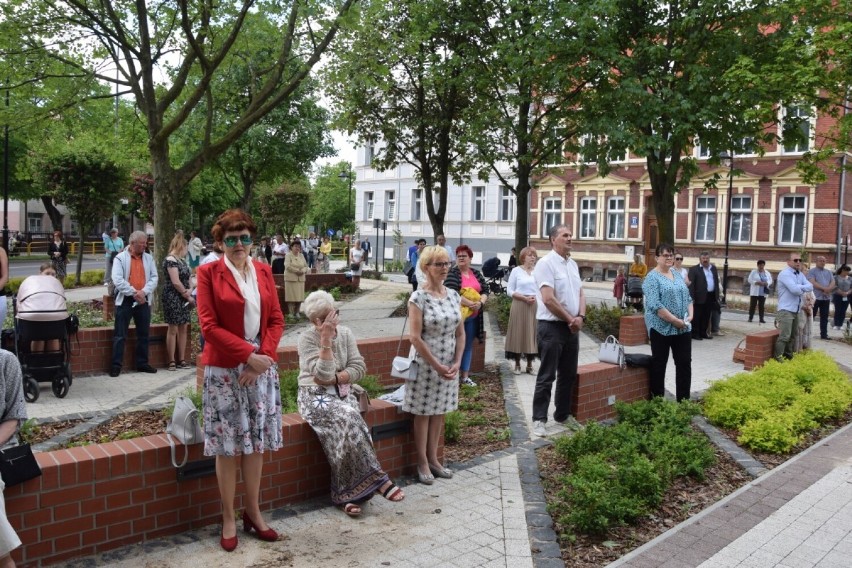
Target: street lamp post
(348, 176)
(6, 179)
(729, 158)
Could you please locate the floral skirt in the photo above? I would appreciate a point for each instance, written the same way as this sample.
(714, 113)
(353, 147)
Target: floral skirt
(345, 438)
(240, 420)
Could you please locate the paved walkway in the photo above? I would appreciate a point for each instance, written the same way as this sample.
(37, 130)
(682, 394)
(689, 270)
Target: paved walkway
(492, 513)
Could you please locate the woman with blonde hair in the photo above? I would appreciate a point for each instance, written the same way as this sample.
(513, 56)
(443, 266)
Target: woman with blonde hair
(177, 301)
(437, 335)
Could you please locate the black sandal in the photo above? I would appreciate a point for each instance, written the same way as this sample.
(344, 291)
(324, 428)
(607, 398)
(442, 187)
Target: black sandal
(182, 365)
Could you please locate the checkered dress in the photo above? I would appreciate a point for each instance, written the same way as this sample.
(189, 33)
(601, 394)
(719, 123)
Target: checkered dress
(430, 394)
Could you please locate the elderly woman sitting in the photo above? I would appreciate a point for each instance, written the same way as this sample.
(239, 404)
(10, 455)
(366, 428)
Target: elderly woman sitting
(329, 363)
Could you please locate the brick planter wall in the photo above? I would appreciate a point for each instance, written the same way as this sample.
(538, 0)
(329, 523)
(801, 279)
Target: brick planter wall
(93, 354)
(96, 498)
(759, 348)
(379, 353)
(596, 382)
(632, 330)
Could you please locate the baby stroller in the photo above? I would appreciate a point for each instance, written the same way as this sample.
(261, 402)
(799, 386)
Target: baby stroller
(634, 296)
(494, 275)
(41, 316)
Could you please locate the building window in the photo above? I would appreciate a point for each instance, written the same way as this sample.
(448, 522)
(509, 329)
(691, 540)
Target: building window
(507, 204)
(478, 204)
(615, 218)
(588, 206)
(390, 205)
(369, 152)
(417, 205)
(552, 214)
(803, 114)
(740, 218)
(705, 219)
(792, 220)
(368, 205)
(34, 222)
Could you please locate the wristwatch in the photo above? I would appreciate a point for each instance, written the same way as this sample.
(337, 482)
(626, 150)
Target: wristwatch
(582, 316)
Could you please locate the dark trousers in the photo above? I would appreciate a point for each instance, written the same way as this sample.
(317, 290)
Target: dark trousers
(141, 316)
(756, 302)
(839, 310)
(311, 259)
(681, 347)
(822, 306)
(558, 349)
(702, 318)
(278, 266)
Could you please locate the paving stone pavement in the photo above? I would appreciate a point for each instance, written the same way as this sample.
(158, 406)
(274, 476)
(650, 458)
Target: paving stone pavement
(493, 513)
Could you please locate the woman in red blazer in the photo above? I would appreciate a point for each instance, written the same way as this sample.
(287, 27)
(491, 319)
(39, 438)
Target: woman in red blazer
(242, 323)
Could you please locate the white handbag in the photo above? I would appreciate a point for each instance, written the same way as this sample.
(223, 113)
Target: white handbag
(185, 427)
(612, 352)
(405, 368)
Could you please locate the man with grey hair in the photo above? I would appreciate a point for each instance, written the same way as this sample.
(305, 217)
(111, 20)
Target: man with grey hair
(135, 278)
(823, 282)
(561, 313)
(704, 288)
(441, 240)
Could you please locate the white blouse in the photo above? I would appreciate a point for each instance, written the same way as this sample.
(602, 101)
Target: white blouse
(521, 282)
(251, 294)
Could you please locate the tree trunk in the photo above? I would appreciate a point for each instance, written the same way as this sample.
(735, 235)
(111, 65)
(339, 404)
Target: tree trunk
(80, 256)
(664, 206)
(52, 212)
(167, 193)
(522, 219)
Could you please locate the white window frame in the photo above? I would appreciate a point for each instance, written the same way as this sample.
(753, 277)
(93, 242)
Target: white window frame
(507, 204)
(551, 213)
(740, 219)
(477, 212)
(390, 206)
(35, 222)
(369, 152)
(806, 126)
(615, 218)
(789, 208)
(369, 205)
(417, 204)
(705, 209)
(588, 217)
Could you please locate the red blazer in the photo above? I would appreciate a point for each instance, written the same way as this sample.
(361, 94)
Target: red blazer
(220, 311)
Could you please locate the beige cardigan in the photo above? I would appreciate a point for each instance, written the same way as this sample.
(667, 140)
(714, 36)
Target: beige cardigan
(293, 264)
(344, 349)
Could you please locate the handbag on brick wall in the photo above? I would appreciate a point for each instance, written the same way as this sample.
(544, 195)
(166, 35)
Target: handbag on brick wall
(18, 464)
(185, 427)
(404, 368)
(362, 396)
(611, 351)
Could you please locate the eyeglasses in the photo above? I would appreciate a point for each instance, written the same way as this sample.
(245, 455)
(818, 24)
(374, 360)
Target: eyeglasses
(440, 264)
(245, 240)
(678, 258)
(797, 260)
(666, 255)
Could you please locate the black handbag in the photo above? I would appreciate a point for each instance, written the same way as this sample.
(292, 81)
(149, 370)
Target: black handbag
(638, 360)
(18, 464)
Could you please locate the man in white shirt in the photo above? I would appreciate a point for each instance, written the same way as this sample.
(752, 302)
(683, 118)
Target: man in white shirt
(561, 313)
(279, 251)
(442, 242)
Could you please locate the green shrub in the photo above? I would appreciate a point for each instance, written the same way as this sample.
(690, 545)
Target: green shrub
(393, 266)
(289, 385)
(774, 406)
(193, 394)
(372, 385)
(500, 305)
(92, 278)
(620, 472)
(14, 283)
(452, 426)
(603, 321)
(335, 293)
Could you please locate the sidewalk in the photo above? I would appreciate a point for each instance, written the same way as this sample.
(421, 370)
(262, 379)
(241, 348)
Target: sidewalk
(492, 512)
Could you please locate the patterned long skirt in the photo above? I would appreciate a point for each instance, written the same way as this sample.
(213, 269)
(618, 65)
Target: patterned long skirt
(60, 268)
(345, 438)
(240, 420)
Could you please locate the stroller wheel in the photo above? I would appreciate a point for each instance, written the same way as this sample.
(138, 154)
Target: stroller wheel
(31, 389)
(60, 387)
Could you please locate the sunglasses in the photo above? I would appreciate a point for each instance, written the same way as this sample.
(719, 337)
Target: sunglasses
(245, 240)
(440, 264)
(678, 258)
(797, 260)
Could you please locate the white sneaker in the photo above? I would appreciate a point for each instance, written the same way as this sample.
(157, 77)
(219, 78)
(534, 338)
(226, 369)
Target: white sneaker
(539, 430)
(468, 381)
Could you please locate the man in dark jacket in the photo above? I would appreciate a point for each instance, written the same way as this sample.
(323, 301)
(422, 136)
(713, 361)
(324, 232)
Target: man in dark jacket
(704, 287)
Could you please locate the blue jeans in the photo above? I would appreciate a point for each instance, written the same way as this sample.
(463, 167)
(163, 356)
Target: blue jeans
(469, 335)
(141, 316)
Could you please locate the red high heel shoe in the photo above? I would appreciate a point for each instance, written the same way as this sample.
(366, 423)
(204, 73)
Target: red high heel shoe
(268, 535)
(228, 544)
